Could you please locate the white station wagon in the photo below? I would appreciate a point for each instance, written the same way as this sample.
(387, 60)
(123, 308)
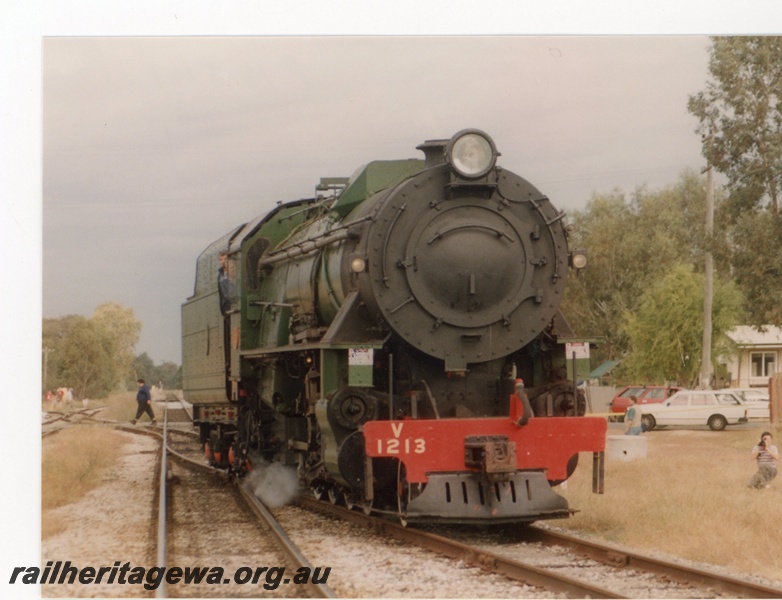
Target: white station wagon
(696, 408)
(757, 401)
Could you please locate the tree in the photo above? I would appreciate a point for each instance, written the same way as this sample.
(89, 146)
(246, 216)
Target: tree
(91, 355)
(740, 117)
(170, 374)
(142, 367)
(631, 244)
(121, 324)
(757, 266)
(55, 333)
(595, 300)
(85, 360)
(167, 373)
(666, 332)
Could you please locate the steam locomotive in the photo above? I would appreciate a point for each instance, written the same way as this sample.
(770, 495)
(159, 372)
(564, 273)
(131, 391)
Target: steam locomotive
(397, 338)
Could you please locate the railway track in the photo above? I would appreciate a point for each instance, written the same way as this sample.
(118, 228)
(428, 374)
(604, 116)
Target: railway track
(675, 571)
(55, 420)
(315, 534)
(550, 559)
(637, 575)
(210, 516)
(176, 409)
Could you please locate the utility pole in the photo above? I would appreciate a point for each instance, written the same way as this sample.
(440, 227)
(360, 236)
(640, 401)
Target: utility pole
(46, 352)
(709, 285)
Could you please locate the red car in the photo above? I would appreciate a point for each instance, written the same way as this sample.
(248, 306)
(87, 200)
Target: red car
(646, 394)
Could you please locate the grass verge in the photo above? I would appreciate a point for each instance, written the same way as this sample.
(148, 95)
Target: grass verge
(689, 498)
(122, 406)
(73, 462)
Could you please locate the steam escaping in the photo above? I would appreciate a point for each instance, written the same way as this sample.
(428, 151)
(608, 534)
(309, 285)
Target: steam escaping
(274, 484)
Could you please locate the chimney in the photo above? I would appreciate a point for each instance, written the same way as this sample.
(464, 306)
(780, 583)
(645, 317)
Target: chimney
(434, 152)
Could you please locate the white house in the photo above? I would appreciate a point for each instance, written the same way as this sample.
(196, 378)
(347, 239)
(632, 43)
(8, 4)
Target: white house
(758, 355)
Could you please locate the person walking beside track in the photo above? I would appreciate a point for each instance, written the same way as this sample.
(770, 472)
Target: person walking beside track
(766, 454)
(144, 399)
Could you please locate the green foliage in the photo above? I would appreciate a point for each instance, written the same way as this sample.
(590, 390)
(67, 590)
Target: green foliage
(122, 327)
(56, 333)
(631, 244)
(167, 373)
(90, 355)
(85, 359)
(740, 116)
(597, 299)
(666, 331)
(757, 264)
(96, 356)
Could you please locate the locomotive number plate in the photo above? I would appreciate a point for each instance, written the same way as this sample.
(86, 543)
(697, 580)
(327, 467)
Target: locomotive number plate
(400, 445)
(438, 445)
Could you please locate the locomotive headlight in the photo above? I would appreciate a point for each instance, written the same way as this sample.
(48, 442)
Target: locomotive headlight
(578, 259)
(471, 153)
(358, 264)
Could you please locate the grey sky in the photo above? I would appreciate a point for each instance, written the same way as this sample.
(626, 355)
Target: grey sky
(154, 147)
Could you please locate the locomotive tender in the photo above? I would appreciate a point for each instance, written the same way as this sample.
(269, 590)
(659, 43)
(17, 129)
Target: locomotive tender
(376, 337)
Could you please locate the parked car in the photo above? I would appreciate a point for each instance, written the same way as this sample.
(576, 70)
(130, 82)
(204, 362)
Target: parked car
(757, 401)
(717, 409)
(646, 394)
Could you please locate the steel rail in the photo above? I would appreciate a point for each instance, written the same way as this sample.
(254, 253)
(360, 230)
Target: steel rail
(161, 512)
(288, 548)
(601, 552)
(488, 561)
(617, 556)
(160, 592)
(604, 553)
(286, 544)
(68, 415)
